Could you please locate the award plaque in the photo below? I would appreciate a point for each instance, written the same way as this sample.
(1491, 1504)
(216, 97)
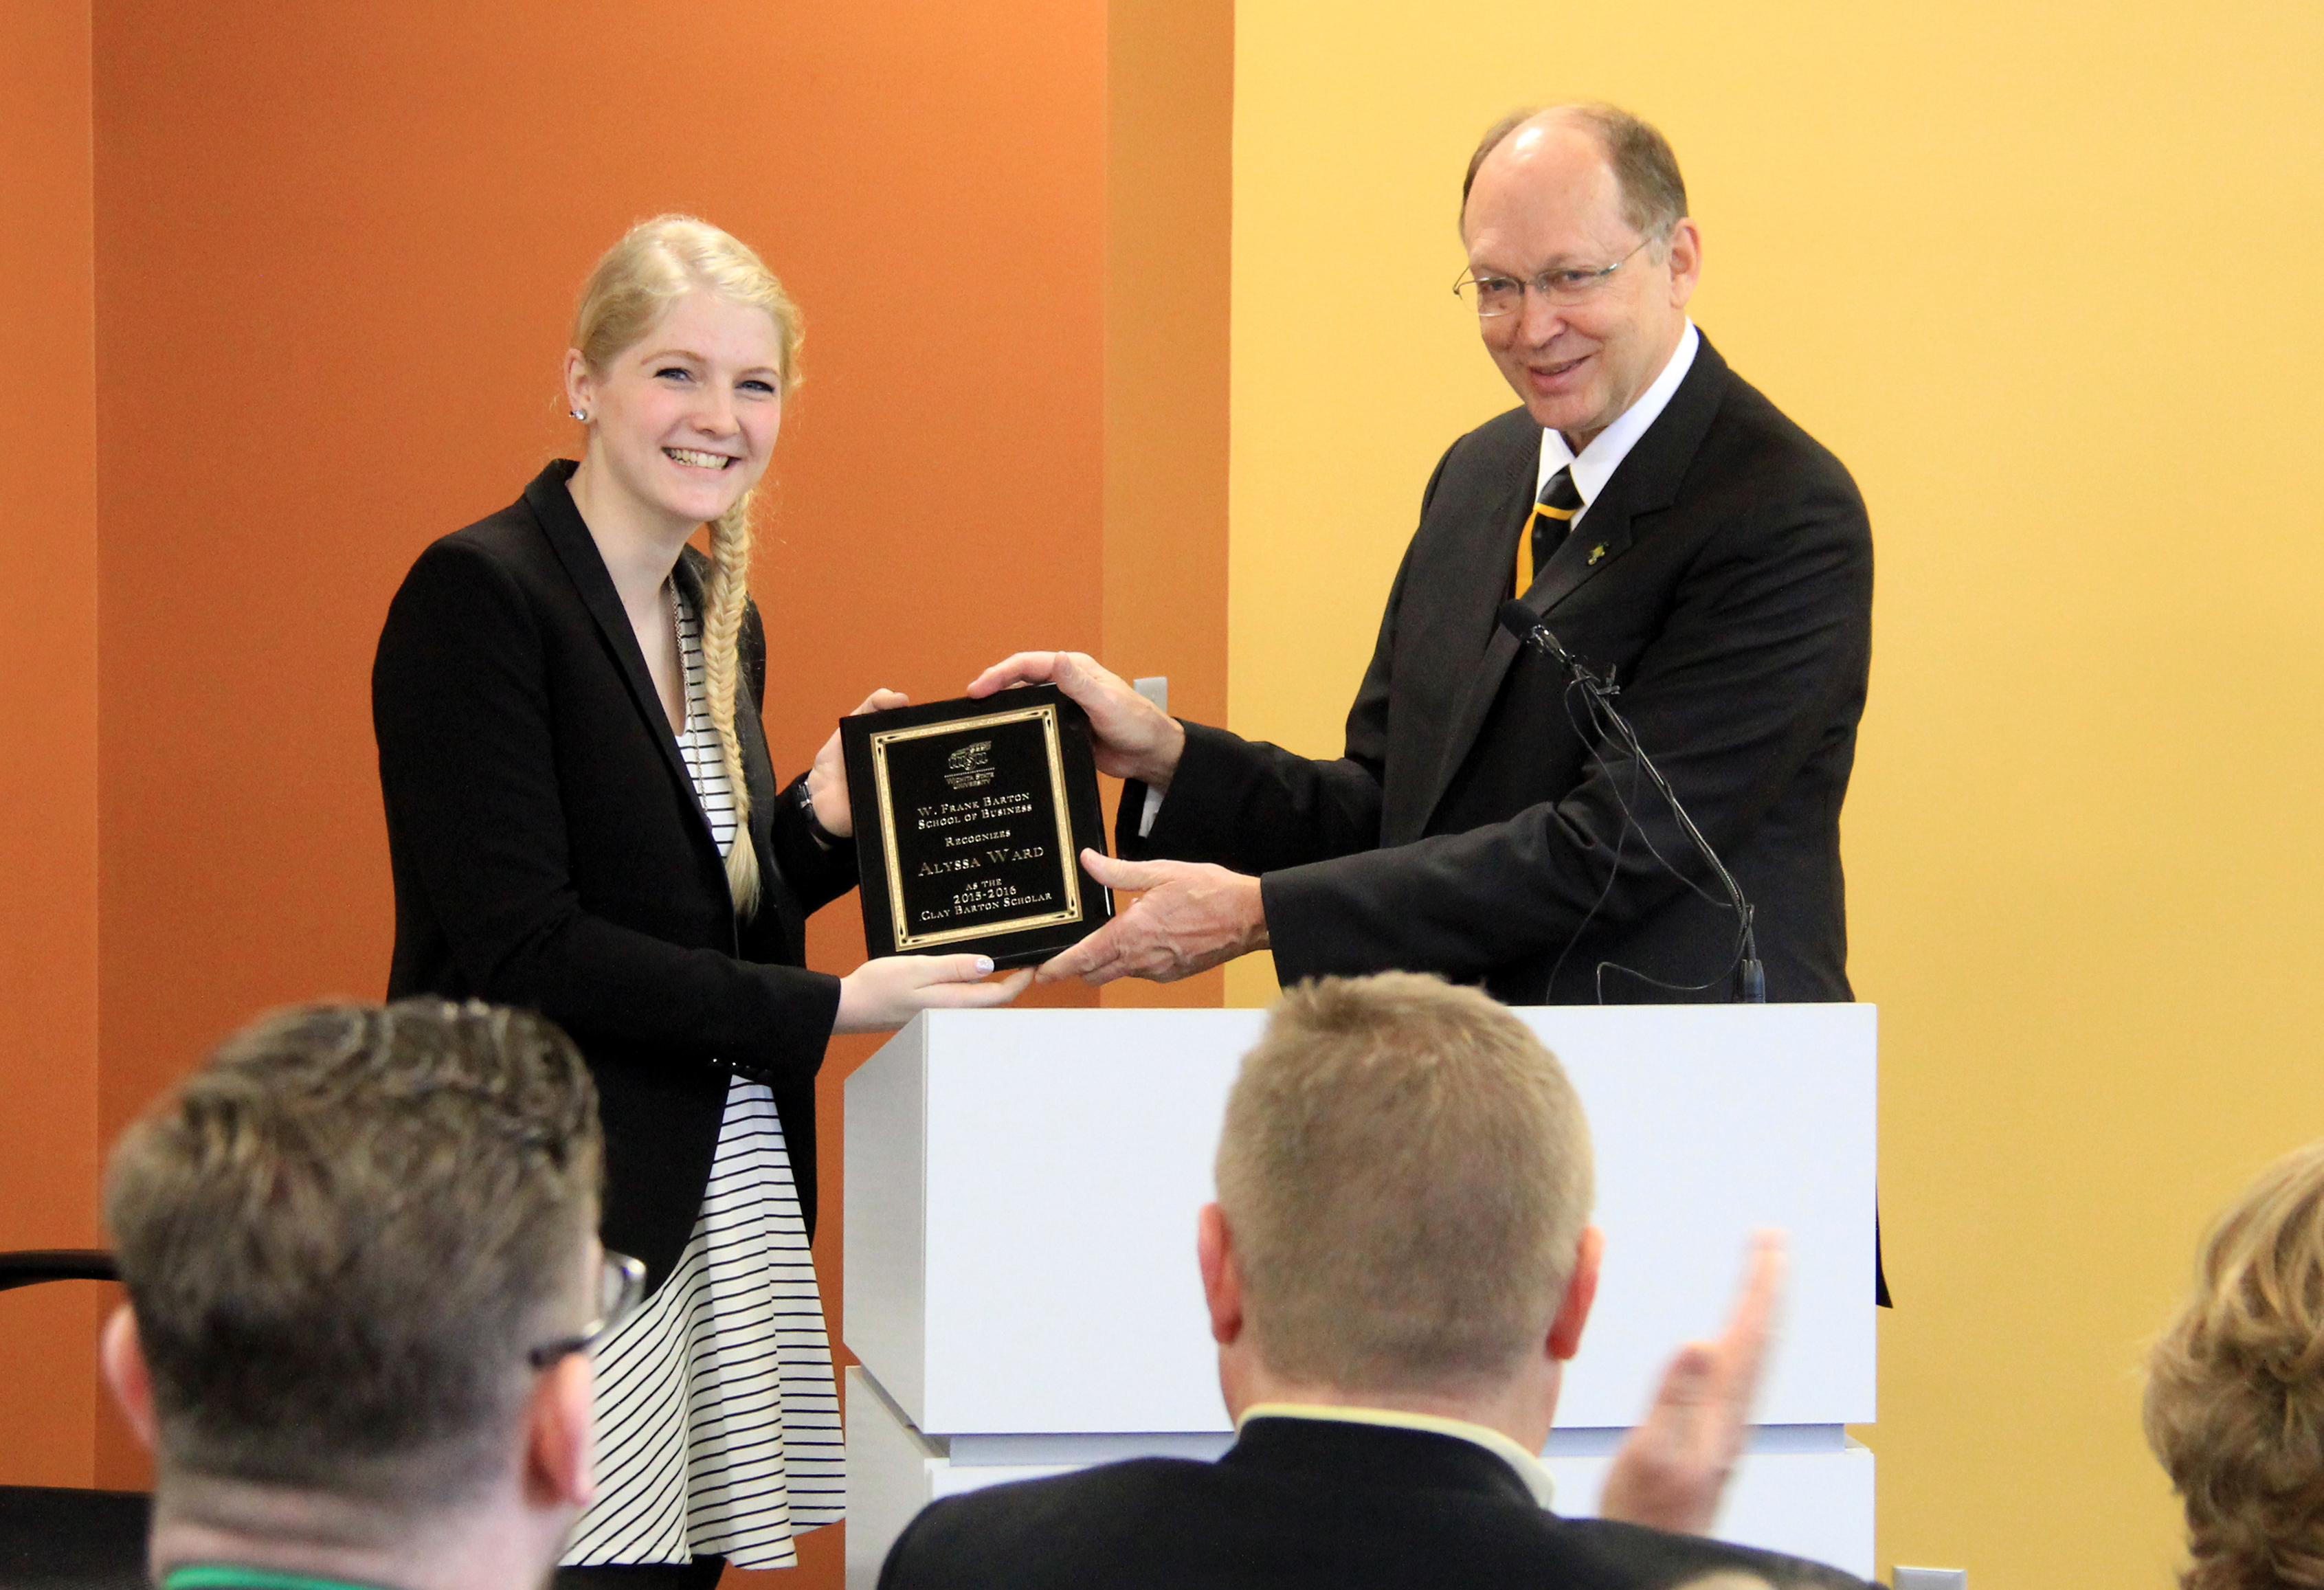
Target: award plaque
(970, 821)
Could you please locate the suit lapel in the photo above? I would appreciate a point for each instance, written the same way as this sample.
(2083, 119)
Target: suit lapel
(1485, 584)
(1459, 587)
(569, 538)
(1646, 481)
(1602, 537)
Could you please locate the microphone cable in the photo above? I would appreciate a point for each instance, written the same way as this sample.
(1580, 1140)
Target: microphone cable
(1531, 629)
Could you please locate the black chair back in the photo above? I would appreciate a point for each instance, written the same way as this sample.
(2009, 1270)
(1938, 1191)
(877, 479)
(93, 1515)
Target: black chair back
(53, 1538)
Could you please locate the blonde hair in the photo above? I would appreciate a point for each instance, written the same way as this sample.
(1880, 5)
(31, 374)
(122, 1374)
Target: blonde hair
(656, 264)
(2234, 1391)
(1405, 1171)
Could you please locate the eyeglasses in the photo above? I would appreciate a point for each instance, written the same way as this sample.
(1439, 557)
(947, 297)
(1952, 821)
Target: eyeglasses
(620, 1283)
(1567, 285)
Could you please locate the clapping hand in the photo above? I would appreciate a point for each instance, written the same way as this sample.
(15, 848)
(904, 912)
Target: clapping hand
(1674, 1467)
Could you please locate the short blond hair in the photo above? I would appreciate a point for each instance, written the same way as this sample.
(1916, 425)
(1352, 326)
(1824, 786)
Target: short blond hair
(2234, 1391)
(1405, 1173)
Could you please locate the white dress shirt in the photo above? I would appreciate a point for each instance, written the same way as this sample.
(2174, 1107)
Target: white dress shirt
(1608, 447)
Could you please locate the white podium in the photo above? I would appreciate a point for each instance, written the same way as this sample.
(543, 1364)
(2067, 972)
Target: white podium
(1022, 1293)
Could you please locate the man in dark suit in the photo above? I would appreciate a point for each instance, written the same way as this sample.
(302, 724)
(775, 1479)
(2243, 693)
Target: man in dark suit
(1675, 532)
(1397, 1268)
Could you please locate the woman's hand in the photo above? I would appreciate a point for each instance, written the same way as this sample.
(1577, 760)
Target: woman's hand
(826, 781)
(881, 995)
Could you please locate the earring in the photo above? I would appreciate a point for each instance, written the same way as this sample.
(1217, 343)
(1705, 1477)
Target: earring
(580, 414)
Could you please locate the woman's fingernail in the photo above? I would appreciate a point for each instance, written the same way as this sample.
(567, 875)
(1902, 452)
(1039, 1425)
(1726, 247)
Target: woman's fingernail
(983, 966)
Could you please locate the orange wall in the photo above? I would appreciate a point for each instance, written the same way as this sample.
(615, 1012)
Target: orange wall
(1169, 206)
(48, 744)
(336, 249)
(332, 313)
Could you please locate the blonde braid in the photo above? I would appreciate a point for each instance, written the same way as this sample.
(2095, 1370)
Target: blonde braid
(722, 630)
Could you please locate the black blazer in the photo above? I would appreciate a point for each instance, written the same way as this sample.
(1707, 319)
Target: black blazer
(1475, 825)
(1297, 1503)
(550, 852)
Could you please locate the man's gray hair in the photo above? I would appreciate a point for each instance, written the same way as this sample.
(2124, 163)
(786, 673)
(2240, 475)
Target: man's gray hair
(1654, 194)
(340, 1236)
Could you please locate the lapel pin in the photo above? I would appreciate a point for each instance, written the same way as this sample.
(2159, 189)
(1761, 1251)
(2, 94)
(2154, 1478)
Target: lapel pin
(1596, 553)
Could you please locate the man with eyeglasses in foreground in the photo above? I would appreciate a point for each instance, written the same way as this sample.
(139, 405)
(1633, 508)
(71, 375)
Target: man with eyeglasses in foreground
(1676, 533)
(359, 1248)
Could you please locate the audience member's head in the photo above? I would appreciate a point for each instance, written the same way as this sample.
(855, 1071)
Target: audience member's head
(2235, 1393)
(358, 1247)
(1404, 1194)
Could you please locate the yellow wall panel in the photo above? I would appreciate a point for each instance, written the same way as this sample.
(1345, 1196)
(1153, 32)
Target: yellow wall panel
(2044, 278)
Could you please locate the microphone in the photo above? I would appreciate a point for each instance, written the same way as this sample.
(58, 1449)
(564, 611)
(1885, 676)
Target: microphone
(1532, 629)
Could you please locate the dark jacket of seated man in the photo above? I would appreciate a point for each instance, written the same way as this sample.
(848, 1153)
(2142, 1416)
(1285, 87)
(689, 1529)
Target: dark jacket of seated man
(1397, 1270)
(1305, 1502)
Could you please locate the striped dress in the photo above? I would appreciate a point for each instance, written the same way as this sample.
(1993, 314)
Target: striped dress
(717, 1424)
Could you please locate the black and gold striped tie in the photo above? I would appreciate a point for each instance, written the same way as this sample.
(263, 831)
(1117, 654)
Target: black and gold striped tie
(1551, 515)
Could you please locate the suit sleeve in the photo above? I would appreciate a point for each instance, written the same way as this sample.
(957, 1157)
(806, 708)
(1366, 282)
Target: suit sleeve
(1767, 637)
(460, 704)
(816, 876)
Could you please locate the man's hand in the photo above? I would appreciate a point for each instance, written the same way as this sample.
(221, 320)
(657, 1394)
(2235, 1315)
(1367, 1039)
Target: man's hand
(1191, 916)
(1671, 1471)
(1134, 737)
(826, 781)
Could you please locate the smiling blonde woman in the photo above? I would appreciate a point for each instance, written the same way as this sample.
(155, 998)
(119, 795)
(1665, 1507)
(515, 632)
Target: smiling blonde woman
(584, 821)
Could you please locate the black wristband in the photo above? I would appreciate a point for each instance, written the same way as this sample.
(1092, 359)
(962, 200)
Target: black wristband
(824, 838)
